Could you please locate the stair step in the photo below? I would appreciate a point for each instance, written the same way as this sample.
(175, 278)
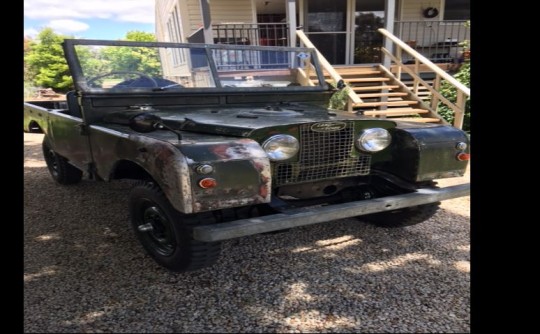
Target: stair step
(369, 88)
(367, 79)
(346, 75)
(357, 72)
(382, 94)
(420, 88)
(384, 103)
(417, 119)
(396, 112)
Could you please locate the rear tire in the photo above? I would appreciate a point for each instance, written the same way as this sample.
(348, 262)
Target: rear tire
(34, 127)
(59, 167)
(165, 233)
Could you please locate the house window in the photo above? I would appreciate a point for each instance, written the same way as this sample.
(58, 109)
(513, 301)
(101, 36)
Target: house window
(457, 9)
(173, 28)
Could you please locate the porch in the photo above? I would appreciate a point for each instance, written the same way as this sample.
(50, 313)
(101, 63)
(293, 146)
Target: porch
(404, 86)
(439, 41)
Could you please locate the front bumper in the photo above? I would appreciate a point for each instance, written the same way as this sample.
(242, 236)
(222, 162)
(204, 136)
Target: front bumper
(311, 215)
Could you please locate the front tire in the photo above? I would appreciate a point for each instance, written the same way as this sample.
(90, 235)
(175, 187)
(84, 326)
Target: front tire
(165, 233)
(403, 217)
(59, 167)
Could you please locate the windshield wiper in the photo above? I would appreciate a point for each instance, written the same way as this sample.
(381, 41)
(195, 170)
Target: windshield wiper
(162, 88)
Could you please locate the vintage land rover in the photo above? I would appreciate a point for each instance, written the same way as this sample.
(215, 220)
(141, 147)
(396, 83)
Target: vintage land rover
(228, 141)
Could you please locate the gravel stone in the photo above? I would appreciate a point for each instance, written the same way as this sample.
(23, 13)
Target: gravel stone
(84, 271)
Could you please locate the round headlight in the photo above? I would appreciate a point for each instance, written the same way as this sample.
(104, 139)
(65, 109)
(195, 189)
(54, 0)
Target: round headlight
(281, 147)
(373, 140)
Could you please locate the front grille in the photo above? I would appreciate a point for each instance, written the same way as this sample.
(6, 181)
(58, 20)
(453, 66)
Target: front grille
(323, 155)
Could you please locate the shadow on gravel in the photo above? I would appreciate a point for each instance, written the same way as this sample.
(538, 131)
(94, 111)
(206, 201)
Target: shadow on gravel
(84, 271)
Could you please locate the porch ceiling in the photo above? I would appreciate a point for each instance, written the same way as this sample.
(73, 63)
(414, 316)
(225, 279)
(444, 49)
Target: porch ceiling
(270, 6)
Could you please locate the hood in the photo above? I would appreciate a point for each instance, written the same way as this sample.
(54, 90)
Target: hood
(243, 122)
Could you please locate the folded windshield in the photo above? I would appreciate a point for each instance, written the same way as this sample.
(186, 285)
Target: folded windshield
(133, 66)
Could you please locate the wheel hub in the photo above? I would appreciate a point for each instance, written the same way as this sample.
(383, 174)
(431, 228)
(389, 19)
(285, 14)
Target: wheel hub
(156, 227)
(51, 156)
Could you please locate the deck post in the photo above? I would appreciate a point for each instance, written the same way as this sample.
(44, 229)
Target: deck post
(291, 20)
(389, 14)
(207, 21)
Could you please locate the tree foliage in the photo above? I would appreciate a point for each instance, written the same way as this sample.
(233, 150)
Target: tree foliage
(46, 63)
(145, 60)
(450, 92)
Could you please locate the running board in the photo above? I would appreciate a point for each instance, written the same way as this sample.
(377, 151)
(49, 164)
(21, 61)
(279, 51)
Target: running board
(315, 215)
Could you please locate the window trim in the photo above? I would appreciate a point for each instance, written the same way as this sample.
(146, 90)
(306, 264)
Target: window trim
(442, 13)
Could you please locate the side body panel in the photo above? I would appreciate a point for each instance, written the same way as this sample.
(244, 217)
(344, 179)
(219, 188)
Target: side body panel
(67, 137)
(241, 168)
(35, 113)
(64, 132)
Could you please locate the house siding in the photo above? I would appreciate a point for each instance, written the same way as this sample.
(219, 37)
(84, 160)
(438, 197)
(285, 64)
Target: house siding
(164, 10)
(192, 16)
(233, 11)
(221, 11)
(411, 10)
(426, 32)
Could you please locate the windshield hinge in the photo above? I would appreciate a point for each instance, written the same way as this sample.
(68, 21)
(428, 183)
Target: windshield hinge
(83, 129)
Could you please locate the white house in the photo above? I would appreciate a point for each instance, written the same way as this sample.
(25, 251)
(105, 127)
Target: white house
(422, 39)
(344, 31)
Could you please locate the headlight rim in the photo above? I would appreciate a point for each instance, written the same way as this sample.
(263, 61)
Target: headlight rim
(359, 143)
(275, 138)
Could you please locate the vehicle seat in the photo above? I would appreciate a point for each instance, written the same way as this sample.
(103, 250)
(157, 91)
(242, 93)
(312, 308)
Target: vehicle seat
(73, 104)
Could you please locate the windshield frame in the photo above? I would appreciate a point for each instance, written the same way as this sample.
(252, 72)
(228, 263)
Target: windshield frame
(80, 81)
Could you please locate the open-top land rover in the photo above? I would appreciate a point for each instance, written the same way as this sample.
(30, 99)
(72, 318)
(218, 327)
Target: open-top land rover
(229, 141)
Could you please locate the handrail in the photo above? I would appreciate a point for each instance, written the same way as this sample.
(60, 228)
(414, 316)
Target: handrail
(426, 62)
(461, 90)
(353, 97)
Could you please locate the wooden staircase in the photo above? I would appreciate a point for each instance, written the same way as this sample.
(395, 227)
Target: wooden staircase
(378, 91)
(383, 96)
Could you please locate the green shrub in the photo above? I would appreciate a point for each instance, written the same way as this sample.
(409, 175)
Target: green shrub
(339, 100)
(450, 92)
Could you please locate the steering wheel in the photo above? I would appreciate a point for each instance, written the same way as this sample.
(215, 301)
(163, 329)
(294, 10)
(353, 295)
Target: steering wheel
(142, 75)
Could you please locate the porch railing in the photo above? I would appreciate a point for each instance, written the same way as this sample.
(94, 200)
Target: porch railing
(439, 41)
(271, 34)
(402, 51)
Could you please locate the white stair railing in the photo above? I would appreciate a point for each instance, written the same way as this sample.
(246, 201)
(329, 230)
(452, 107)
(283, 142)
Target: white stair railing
(353, 97)
(463, 91)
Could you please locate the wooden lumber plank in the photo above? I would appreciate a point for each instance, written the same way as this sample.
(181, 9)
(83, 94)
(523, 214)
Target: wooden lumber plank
(395, 112)
(369, 88)
(382, 94)
(417, 119)
(384, 103)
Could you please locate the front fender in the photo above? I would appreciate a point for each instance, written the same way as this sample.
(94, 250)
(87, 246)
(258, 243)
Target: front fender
(240, 167)
(160, 159)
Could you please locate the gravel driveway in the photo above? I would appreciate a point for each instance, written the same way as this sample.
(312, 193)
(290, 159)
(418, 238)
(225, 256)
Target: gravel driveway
(85, 272)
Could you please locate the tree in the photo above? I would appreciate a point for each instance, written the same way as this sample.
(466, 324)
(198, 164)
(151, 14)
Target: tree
(45, 64)
(45, 61)
(28, 75)
(137, 59)
(140, 36)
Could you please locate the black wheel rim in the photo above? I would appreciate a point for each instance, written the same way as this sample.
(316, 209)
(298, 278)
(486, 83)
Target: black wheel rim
(52, 163)
(158, 232)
